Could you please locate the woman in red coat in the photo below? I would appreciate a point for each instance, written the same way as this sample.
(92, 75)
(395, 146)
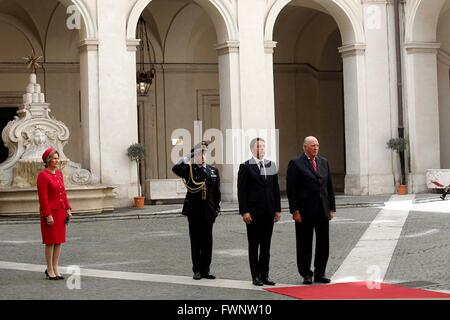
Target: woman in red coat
(55, 210)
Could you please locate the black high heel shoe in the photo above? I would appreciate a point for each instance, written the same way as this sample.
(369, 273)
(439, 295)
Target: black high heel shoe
(60, 277)
(48, 277)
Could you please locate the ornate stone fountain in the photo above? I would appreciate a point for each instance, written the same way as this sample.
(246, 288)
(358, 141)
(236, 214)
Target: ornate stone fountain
(26, 137)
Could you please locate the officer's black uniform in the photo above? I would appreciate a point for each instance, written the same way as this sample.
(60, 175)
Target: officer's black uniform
(201, 206)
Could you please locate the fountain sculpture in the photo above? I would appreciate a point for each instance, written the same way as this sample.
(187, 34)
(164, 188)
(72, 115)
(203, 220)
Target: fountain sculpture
(26, 137)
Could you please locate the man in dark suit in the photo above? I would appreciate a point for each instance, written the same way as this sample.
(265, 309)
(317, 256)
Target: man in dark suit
(201, 206)
(260, 207)
(312, 204)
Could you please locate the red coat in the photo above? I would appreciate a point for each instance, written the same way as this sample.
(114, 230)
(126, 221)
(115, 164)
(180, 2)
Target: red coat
(52, 201)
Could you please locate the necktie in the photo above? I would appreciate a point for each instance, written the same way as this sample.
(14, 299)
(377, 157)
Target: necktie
(314, 165)
(261, 169)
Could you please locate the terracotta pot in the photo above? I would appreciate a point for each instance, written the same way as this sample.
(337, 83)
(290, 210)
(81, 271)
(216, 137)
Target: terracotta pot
(402, 189)
(139, 202)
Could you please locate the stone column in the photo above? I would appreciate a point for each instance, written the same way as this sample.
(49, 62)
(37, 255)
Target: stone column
(378, 97)
(444, 106)
(255, 78)
(246, 92)
(90, 107)
(230, 115)
(274, 144)
(117, 101)
(356, 135)
(423, 110)
(393, 84)
(269, 47)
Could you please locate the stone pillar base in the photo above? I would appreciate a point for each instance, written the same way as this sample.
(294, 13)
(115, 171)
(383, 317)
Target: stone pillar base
(359, 185)
(381, 184)
(356, 185)
(228, 182)
(227, 192)
(124, 195)
(417, 182)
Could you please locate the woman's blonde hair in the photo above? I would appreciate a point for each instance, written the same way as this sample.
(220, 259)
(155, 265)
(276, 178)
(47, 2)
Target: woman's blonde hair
(51, 154)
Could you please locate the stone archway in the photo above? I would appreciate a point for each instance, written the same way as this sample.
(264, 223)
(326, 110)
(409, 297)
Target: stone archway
(89, 84)
(90, 26)
(219, 11)
(170, 71)
(308, 83)
(421, 19)
(423, 109)
(348, 17)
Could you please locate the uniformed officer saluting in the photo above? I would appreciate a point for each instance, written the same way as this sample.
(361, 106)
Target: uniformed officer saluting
(201, 206)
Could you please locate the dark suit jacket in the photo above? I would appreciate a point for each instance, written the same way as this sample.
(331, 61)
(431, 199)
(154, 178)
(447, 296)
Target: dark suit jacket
(306, 189)
(257, 195)
(194, 206)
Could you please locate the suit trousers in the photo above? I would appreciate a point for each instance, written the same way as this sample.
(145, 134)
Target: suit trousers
(259, 235)
(304, 237)
(200, 232)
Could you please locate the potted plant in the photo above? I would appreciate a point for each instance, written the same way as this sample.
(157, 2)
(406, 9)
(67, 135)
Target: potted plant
(400, 145)
(136, 152)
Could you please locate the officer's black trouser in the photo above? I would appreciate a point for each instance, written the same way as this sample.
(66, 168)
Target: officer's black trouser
(200, 232)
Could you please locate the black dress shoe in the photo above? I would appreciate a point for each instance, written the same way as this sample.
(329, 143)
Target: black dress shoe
(267, 281)
(208, 276)
(322, 280)
(197, 276)
(257, 281)
(307, 280)
(60, 277)
(48, 276)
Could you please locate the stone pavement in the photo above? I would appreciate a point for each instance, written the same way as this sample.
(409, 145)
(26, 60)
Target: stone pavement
(150, 211)
(144, 254)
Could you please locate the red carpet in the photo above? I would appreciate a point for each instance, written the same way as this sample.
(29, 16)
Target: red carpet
(356, 290)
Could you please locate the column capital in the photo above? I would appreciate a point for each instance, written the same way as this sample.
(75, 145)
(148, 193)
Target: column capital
(422, 47)
(227, 47)
(376, 1)
(269, 46)
(88, 45)
(132, 44)
(444, 57)
(354, 49)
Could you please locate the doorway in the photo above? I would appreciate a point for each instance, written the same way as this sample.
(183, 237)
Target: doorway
(6, 114)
